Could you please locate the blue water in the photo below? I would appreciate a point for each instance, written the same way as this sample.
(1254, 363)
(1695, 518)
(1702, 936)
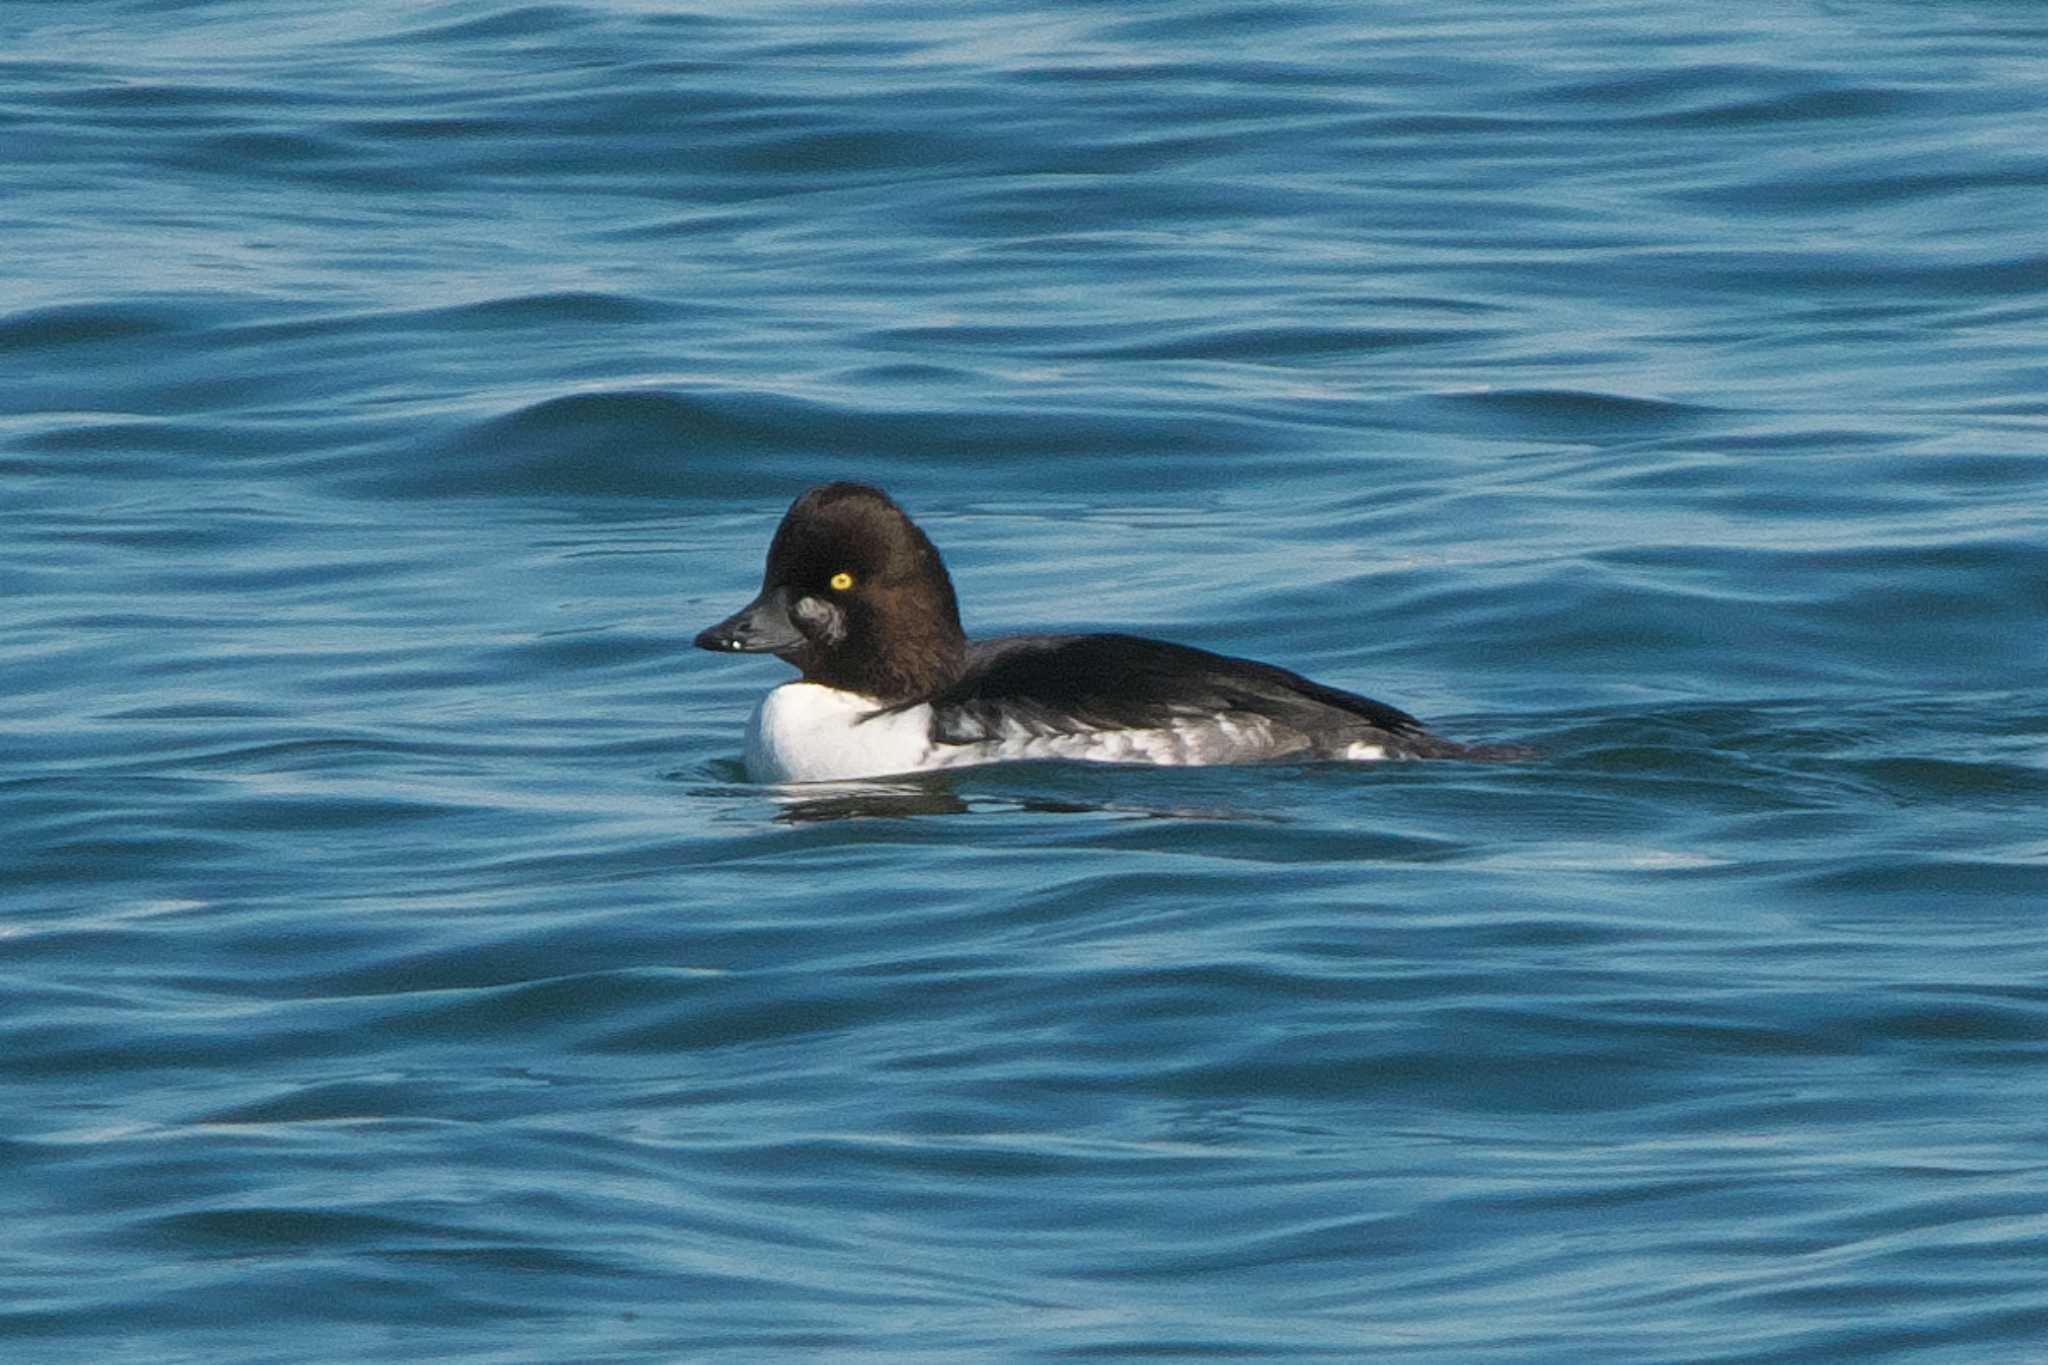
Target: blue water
(395, 964)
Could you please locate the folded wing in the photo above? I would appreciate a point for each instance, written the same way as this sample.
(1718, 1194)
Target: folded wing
(1048, 685)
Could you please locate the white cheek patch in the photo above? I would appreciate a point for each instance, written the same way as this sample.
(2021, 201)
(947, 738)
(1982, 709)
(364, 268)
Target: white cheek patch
(819, 620)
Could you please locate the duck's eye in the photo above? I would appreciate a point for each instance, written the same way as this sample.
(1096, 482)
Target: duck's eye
(841, 581)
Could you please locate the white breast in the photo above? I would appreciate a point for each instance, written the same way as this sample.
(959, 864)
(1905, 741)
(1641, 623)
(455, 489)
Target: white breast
(805, 732)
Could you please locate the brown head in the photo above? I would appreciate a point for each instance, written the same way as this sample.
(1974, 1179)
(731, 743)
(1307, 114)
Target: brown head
(855, 596)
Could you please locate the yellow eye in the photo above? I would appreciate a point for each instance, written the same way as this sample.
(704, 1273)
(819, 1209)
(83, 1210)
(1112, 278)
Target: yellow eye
(841, 581)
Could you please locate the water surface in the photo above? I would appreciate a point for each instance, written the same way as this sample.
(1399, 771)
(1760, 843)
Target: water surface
(394, 963)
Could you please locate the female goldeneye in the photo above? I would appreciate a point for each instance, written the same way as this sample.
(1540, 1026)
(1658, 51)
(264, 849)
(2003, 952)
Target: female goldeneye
(858, 600)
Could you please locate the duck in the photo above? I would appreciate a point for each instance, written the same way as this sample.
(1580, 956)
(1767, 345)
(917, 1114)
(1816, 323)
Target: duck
(857, 599)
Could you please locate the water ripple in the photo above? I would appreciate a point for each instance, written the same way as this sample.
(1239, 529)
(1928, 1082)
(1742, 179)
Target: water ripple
(394, 959)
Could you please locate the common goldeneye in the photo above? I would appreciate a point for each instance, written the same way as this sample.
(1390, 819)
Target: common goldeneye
(857, 599)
